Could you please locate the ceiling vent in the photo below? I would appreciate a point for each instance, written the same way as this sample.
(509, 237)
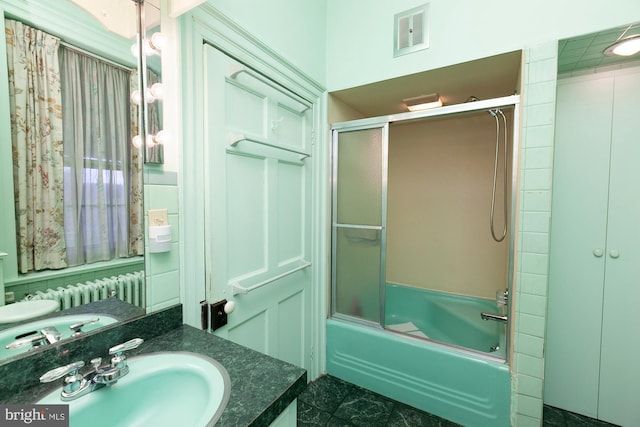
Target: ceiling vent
(411, 30)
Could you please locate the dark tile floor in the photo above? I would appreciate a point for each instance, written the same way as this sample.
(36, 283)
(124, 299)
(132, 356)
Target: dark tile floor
(331, 402)
(560, 418)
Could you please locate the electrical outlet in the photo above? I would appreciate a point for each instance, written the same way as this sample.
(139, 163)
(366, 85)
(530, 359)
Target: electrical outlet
(158, 217)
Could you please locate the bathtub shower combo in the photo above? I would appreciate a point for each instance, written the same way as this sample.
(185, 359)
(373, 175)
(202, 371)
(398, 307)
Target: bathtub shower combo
(422, 257)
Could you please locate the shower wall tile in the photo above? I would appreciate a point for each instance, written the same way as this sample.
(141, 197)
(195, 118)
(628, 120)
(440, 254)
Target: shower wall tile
(541, 93)
(529, 386)
(537, 179)
(531, 324)
(535, 221)
(533, 304)
(530, 365)
(537, 243)
(539, 86)
(530, 345)
(540, 114)
(534, 263)
(537, 200)
(542, 71)
(529, 406)
(539, 136)
(525, 421)
(534, 284)
(538, 158)
(542, 52)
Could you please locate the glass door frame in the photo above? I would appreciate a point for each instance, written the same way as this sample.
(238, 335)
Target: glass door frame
(512, 101)
(336, 130)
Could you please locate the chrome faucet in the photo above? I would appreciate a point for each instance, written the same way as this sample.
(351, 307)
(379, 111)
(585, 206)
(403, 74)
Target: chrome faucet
(76, 385)
(48, 335)
(502, 318)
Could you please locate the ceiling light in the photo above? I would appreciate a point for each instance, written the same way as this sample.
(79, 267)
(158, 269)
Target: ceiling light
(624, 47)
(423, 102)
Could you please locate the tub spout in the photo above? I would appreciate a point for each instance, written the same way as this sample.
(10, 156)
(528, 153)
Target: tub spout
(494, 316)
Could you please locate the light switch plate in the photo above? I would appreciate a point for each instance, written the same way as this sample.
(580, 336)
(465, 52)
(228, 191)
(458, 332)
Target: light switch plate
(158, 217)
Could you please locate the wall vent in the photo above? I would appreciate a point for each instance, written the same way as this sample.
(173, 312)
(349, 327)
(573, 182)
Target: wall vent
(411, 30)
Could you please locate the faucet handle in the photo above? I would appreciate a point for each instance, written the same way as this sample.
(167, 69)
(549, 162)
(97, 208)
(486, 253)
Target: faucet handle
(129, 345)
(71, 369)
(119, 360)
(76, 328)
(25, 341)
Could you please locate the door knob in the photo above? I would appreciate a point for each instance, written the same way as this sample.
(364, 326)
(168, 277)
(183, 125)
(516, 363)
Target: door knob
(614, 253)
(598, 252)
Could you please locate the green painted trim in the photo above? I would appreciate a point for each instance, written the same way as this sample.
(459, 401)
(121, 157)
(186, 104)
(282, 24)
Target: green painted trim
(73, 25)
(206, 24)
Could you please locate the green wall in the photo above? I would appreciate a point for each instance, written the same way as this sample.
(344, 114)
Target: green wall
(360, 32)
(295, 29)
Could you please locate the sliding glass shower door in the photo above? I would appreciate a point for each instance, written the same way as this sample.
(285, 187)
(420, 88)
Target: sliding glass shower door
(359, 215)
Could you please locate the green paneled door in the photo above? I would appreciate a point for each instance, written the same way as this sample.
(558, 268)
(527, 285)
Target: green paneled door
(258, 183)
(591, 364)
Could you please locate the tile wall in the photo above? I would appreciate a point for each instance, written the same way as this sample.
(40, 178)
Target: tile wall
(537, 127)
(163, 269)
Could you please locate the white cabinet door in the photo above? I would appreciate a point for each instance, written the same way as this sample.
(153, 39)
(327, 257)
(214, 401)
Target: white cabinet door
(593, 317)
(258, 183)
(619, 398)
(578, 238)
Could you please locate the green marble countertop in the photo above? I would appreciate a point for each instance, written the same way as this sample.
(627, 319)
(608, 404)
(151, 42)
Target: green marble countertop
(261, 386)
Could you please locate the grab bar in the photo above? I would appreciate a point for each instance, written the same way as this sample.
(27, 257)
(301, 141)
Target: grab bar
(234, 70)
(234, 138)
(238, 289)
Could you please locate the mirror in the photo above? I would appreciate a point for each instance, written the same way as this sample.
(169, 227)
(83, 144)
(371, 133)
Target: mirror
(26, 338)
(79, 25)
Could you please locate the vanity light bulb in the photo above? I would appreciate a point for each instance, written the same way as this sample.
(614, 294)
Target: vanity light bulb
(162, 137)
(136, 141)
(136, 97)
(157, 90)
(148, 50)
(158, 41)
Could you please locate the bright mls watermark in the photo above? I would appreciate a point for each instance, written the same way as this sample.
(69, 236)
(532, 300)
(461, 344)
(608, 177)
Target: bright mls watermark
(34, 415)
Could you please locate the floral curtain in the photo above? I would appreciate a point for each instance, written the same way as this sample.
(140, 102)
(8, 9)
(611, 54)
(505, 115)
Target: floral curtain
(136, 226)
(36, 135)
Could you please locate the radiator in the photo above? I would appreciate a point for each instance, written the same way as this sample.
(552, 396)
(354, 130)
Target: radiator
(127, 287)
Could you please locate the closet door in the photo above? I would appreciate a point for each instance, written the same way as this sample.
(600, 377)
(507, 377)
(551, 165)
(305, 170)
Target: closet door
(620, 364)
(577, 247)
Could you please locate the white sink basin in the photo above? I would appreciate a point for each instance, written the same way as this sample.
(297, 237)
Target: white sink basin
(61, 323)
(27, 310)
(161, 389)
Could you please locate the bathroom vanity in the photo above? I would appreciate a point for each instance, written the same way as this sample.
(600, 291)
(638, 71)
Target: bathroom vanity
(261, 387)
